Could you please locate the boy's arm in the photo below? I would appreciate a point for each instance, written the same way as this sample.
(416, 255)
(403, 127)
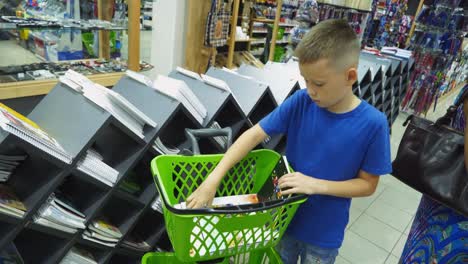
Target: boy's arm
(205, 193)
(364, 185)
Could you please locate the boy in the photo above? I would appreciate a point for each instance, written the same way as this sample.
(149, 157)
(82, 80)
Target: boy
(337, 144)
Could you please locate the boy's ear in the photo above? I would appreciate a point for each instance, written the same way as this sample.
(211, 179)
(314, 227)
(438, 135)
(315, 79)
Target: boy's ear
(351, 76)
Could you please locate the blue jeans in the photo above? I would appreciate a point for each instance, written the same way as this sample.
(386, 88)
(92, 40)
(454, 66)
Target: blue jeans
(290, 249)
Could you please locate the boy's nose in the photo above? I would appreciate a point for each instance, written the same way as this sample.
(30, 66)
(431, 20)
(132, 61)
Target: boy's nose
(312, 92)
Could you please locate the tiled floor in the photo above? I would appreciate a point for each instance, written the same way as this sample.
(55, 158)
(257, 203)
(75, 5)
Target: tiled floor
(379, 225)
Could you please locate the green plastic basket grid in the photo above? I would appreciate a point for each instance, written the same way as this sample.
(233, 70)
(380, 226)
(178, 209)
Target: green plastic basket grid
(205, 234)
(265, 256)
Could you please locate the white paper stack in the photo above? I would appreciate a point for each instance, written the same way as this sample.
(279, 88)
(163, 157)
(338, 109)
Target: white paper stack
(8, 164)
(157, 205)
(175, 89)
(58, 215)
(280, 86)
(76, 255)
(290, 69)
(222, 140)
(159, 146)
(179, 91)
(218, 83)
(119, 107)
(102, 232)
(93, 165)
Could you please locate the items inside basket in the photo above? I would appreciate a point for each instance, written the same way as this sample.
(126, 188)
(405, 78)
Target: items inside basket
(269, 195)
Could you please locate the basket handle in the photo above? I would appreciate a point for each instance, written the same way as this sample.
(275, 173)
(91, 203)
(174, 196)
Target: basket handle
(231, 224)
(195, 134)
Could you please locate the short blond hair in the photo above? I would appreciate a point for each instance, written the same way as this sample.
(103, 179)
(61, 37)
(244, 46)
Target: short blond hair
(331, 39)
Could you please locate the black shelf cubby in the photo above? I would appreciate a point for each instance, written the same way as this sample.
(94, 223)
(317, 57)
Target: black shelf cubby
(356, 89)
(12, 254)
(124, 259)
(97, 253)
(163, 242)
(120, 212)
(112, 138)
(9, 227)
(36, 176)
(221, 107)
(73, 187)
(378, 99)
(150, 227)
(33, 249)
(170, 115)
(368, 92)
(254, 98)
(386, 107)
(140, 175)
(216, 101)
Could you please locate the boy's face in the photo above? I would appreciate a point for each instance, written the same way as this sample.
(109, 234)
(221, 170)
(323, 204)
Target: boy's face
(327, 86)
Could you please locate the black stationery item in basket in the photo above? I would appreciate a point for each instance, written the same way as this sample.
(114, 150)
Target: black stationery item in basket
(431, 159)
(271, 191)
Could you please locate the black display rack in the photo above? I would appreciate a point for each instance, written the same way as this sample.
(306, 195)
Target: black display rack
(78, 125)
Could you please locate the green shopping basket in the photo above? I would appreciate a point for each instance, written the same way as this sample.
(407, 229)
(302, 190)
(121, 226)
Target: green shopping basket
(266, 256)
(210, 233)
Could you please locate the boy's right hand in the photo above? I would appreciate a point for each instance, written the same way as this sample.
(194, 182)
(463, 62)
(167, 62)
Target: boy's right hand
(203, 196)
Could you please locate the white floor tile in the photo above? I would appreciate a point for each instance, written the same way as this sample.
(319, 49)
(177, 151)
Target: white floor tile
(405, 201)
(354, 214)
(408, 228)
(363, 203)
(390, 215)
(393, 182)
(358, 250)
(398, 249)
(392, 260)
(376, 232)
(341, 260)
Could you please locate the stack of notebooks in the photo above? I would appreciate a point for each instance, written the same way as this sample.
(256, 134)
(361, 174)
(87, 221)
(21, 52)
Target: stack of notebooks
(222, 140)
(93, 165)
(102, 232)
(10, 203)
(175, 89)
(160, 147)
(136, 243)
(59, 213)
(157, 204)
(78, 255)
(8, 164)
(119, 107)
(289, 69)
(25, 129)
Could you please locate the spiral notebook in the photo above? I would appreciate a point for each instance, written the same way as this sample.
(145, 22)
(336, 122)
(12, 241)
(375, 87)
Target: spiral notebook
(33, 135)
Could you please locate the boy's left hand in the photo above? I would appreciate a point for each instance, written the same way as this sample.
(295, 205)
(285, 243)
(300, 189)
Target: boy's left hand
(299, 183)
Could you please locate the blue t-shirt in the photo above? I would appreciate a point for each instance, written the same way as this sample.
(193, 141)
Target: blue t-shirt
(329, 146)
